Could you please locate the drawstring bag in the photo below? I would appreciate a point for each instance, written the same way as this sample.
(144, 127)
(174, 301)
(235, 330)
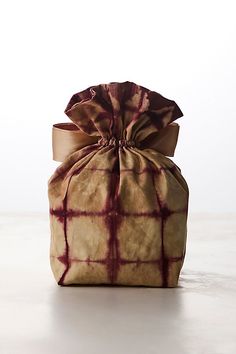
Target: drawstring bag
(118, 205)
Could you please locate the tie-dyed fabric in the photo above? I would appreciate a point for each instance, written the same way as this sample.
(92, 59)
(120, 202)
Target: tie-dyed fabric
(118, 209)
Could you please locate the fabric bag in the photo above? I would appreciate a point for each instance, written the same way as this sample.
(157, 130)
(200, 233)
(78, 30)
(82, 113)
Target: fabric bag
(118, 205)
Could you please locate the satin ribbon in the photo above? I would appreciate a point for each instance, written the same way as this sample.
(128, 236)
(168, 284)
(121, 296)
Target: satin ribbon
(67, 138)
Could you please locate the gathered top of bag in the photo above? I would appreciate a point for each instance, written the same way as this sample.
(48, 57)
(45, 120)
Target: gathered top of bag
(121, 114)
(113, 110)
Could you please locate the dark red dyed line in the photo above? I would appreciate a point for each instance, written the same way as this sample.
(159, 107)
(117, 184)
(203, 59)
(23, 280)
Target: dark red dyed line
(139, 261)
(122, 261)
(88, 260)
(112, 222)
(136, 111)
(62, 169)
(164, 265)
(60, 213)
(65, 258)
(108, 170)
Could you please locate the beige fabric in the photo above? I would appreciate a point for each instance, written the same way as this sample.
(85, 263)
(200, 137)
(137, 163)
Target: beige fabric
(118, 211)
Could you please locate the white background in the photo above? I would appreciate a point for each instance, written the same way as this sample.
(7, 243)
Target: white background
(184, 50)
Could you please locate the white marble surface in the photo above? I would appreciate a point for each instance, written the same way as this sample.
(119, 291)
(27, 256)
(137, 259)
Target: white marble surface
(38, 316)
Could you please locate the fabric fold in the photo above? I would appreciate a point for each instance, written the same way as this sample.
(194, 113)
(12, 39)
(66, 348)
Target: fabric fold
(118, 109)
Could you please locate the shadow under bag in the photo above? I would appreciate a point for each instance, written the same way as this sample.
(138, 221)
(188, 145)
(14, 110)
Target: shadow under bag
(118, 205)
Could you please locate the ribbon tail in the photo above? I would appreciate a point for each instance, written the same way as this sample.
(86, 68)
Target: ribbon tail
(163, 141)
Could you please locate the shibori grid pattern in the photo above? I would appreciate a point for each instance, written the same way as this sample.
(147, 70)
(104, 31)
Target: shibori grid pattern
(109, 110)
(113, 215)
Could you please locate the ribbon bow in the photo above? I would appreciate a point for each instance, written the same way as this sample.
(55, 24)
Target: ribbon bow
(67, 138)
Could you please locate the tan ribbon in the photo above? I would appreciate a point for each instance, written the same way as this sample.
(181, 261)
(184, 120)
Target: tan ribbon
(67, 138)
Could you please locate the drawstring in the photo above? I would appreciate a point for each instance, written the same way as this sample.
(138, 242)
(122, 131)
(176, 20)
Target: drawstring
(116, 142)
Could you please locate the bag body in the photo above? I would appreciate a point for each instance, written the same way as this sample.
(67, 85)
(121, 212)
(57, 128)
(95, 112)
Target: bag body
(118, 205)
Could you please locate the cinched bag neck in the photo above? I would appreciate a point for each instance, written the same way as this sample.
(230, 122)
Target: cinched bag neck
(117, 142)
(67, 138)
